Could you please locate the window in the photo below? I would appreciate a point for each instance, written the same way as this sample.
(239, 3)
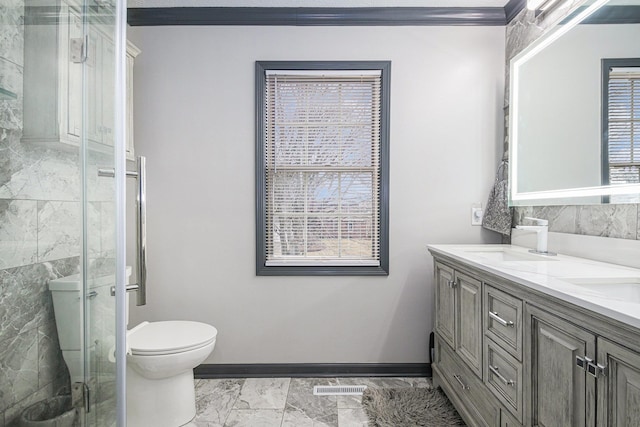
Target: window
(322, 175)
(621, 122)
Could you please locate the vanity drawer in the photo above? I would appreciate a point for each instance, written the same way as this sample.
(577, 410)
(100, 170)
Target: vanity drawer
(503, 319)
(468, 388)
(503, 377)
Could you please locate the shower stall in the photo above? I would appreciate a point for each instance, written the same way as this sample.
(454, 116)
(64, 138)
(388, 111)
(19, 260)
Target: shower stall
(62, 118)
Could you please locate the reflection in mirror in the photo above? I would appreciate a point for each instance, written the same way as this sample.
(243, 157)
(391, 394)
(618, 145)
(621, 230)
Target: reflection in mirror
(575, 110)
(621, 122)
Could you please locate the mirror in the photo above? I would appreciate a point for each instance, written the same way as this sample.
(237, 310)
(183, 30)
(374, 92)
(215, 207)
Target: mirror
(575, 110)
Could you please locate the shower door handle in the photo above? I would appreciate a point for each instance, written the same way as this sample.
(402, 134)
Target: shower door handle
(141, 231)
(141, 228)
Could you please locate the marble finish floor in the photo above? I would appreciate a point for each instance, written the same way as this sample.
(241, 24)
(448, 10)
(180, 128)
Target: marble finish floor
(284, 402)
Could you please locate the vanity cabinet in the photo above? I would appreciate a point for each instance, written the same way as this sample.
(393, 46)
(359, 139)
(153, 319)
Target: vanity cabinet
(503, 331)
(561, 393)
(544, 362)
(61, 67)
(507, 420)
(458, 317)
(618, 385)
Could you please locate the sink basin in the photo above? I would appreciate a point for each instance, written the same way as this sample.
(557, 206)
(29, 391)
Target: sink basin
(618, 288)
(506, 254)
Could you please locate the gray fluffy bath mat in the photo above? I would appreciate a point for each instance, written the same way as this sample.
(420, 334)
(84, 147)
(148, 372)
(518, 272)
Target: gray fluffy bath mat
(409, 407)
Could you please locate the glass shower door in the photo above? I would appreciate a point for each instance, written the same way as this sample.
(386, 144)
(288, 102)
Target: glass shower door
(58, 124)
(99, 203)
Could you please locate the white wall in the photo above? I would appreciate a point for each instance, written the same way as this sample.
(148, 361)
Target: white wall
(194, 120)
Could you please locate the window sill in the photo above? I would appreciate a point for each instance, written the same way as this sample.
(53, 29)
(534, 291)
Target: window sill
(262, 270)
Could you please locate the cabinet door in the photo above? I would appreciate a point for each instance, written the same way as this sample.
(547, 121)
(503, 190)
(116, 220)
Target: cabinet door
(131, 155)
(619, 388)
(108, 94)
(72, 115)
(507, 420)
(445, 303)
(93, 86)
(561, 394)
(469, 321)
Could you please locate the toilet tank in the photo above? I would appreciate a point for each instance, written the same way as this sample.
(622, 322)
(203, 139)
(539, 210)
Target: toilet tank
(65, 293)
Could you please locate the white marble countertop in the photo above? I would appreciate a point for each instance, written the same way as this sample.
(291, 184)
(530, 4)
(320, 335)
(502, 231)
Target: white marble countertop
(608, 289)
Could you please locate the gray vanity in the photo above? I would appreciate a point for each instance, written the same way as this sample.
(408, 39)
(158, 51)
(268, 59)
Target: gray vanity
(554, 341)
(525, 339)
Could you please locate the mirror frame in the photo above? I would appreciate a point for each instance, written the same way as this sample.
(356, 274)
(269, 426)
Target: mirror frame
(560, 196)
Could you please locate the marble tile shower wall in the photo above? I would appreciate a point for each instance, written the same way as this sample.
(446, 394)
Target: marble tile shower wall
(40, 238)
(616, 221)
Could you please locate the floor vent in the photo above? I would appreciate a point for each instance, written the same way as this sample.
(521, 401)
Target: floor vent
(338, 390)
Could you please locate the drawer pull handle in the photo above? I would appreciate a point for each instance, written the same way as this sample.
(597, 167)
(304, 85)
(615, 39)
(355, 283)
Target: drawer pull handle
(494, 315)
(463, 385)
(494, 371)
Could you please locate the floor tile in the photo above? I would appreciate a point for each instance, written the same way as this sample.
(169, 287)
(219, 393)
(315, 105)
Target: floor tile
(352, 418)
(215, 400)
(285, 402)
(296, 418)
(254, 418)
(263, 393)
(321, 409)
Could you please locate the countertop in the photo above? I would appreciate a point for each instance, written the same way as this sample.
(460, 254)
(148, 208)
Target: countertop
(607, 289)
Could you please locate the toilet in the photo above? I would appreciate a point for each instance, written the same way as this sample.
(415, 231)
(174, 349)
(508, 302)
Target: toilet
(160, 355)
(160, 361)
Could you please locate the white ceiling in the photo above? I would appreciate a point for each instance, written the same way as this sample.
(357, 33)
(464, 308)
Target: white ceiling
(317, 3)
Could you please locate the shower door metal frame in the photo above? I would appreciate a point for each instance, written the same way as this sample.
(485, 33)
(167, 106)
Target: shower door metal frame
(120, 181)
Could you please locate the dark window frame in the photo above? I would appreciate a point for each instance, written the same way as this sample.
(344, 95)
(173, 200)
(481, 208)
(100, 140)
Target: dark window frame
(319, 270)
(607, 65)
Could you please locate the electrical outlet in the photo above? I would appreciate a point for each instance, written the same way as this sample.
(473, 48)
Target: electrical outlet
(476, 214)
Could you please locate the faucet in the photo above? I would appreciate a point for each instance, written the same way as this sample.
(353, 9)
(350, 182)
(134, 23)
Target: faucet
(542, 231)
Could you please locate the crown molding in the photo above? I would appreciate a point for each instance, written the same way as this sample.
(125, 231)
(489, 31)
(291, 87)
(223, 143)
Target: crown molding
(326, 16)
(512, 9)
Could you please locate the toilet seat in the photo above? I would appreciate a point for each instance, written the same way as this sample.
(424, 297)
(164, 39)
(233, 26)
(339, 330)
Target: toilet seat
(169, 337)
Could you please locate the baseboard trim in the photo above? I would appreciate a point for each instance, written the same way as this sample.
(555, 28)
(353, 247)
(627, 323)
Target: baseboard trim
(297, 370)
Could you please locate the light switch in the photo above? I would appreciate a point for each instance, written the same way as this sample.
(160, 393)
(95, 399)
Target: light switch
(476, 214)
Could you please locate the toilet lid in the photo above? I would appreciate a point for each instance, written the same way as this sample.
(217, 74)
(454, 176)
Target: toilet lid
(170, 337)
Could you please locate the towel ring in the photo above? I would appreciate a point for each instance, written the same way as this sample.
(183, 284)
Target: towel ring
(502, 172)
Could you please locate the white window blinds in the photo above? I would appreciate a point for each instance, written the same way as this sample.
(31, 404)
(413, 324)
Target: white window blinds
(624, 125)
(322, 167)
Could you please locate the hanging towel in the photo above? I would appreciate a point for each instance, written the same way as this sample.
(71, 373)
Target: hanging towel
(497, 215)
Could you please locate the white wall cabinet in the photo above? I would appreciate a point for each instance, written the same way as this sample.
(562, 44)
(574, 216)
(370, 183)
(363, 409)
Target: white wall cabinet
(52, 81)
(545, 362)
(132, 52)
(54, 88)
